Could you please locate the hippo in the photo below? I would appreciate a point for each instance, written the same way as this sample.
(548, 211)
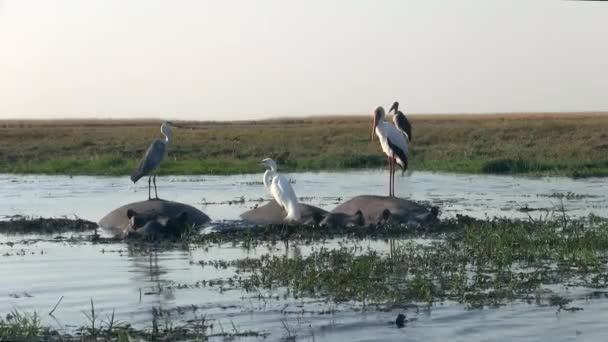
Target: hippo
(118, 222)
(157, 228)
(272, 213)
(338, 220)
(379, 210)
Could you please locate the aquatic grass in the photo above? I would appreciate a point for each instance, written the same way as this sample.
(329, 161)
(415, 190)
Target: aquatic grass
(39, 225)
(20, 326)
(485, 263)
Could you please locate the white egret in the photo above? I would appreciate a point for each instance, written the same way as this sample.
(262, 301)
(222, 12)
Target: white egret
(151, 160)
(393, 144)
(281, 190)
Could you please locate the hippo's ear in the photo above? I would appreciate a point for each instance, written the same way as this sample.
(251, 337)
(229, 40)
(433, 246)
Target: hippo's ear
(182, 217)
(131, 213)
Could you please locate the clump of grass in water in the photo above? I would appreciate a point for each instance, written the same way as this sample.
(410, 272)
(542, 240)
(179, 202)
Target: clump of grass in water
(18, 326)
(486, 263)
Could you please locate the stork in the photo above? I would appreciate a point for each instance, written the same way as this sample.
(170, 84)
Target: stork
(393, 144)
(401, 122)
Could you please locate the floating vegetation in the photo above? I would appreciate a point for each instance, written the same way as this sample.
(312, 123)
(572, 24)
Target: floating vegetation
(28, 225)
(567, 195)
(485, 263)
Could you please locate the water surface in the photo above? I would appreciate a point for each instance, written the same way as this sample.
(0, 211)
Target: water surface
(36, 273)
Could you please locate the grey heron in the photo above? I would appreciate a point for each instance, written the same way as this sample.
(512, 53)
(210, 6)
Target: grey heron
(281, 191)
(151, 160)
(393, 144)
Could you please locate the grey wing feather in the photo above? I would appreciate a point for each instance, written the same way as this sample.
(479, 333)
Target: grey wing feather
(403, 124)
(154, 155)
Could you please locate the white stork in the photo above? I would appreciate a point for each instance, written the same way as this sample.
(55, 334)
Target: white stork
(281, 190)
(393, 144)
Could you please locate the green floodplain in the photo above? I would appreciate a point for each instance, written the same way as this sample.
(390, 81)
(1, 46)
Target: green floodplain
(551, 144)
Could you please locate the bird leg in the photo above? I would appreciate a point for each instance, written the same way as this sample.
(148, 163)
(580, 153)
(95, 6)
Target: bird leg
(155, 192)
(149, 187)
(389, 176)
(394, 171)
(392, 177)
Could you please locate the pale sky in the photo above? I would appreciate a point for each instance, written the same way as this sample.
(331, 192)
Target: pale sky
(241, 59)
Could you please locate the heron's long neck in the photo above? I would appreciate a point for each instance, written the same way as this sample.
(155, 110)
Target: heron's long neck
(168, 137)
(268, 178)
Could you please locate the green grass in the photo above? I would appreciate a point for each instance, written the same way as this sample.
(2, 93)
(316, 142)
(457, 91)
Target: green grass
(18, 326)
(573, 145)
(484, 263)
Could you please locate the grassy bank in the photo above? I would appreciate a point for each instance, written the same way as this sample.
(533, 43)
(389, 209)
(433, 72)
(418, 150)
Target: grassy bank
(548, 144)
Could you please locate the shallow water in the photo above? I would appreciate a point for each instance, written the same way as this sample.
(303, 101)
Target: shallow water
(476, 195)
(36, 273)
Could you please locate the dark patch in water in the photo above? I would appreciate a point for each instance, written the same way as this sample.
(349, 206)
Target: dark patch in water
(24, 225)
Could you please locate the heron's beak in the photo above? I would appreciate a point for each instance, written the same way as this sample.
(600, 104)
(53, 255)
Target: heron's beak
(374, 127)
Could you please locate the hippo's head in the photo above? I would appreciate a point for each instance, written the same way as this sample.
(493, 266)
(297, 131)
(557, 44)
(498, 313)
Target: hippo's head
(154, 228)
(334, 220)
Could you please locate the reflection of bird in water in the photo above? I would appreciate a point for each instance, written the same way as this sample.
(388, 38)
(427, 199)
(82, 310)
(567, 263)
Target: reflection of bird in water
(151, 160)
(281, 191)
(393, 144)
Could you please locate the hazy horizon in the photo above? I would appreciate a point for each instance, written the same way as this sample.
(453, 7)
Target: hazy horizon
(236, 59)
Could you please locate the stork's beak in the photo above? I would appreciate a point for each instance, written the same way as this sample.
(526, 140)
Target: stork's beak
(394, 107)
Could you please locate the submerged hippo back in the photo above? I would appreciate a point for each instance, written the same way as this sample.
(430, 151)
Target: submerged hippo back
(375, 208)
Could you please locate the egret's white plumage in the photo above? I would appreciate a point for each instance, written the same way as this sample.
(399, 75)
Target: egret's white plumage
(281, 190)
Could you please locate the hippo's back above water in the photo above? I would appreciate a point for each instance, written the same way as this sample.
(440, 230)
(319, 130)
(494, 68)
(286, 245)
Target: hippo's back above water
(116, 222)
(272, 213)
(374, 207)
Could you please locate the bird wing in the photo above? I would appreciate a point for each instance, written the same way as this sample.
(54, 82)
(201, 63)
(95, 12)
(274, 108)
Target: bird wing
(154, 155)
(398, 145)
(403, 124)
(285, 196)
